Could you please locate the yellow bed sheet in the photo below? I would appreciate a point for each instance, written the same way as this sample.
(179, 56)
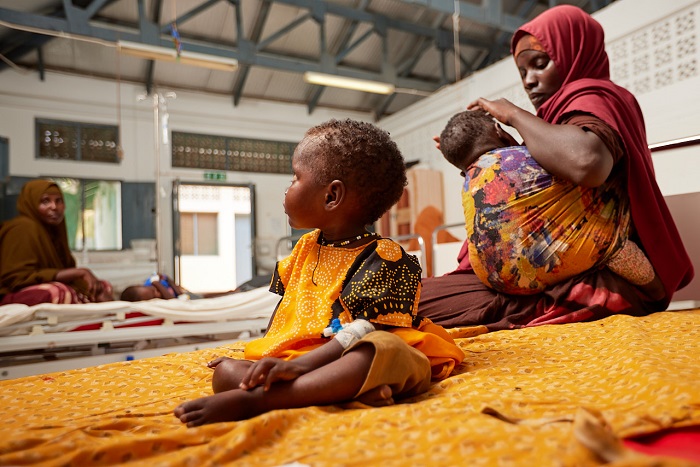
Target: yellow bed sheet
(512, 402)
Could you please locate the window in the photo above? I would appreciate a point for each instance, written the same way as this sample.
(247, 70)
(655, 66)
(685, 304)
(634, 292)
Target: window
(226, 153)
(93, 213)
(199, 233)
(76, 141)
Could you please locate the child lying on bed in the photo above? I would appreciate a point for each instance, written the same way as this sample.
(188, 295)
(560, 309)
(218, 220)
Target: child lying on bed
(346, 327)
(537, 229)
(156, 286)
(162, 286)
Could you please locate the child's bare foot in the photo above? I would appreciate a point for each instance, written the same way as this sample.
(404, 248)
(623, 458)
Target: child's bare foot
(380, 396)
(227, 406)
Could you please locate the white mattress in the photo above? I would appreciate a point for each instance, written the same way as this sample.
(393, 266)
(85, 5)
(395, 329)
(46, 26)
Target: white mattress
(18, 319)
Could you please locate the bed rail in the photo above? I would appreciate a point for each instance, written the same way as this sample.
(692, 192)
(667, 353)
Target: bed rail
(167, 330)
(289, 242)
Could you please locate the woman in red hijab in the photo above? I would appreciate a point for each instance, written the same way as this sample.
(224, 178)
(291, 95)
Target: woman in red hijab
(36, 265)
(589, 131)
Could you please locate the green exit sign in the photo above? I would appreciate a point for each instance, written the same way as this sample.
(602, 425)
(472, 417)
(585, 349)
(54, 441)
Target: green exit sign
(215, 176)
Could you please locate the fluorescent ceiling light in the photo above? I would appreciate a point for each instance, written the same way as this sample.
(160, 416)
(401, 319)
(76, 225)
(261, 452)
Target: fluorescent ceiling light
(168, 54)
(348, 83)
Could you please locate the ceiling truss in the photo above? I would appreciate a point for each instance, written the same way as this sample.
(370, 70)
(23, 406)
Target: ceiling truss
(80, 19)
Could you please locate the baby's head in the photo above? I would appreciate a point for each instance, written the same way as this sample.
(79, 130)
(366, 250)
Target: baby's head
(470, 134)
(363, 157)
(136, 293)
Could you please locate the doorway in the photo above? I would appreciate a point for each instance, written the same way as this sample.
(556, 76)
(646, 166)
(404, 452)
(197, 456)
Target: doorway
(213, 235)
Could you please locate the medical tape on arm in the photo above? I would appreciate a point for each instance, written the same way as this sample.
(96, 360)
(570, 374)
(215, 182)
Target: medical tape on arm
(353, 332)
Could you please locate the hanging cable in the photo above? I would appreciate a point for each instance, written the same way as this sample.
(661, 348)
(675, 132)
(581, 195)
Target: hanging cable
(120, 149)
(455, 34)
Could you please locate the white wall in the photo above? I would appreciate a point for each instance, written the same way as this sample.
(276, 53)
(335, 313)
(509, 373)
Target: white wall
(633, 28)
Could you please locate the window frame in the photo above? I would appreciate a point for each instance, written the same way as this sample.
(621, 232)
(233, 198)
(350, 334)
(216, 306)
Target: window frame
(241, 154)
(80, 128)
(81, 208)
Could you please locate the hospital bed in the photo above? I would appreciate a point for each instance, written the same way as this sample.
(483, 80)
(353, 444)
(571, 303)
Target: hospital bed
(578, 394)
(48, 337)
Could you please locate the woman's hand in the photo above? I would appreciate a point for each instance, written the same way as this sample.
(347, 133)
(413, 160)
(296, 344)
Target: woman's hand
(105, 292)
(502, 110)
(567, 151)
(269, 370)
(82, 278)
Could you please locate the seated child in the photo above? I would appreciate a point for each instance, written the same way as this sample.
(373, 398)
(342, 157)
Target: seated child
(346, 175)
(535, 229)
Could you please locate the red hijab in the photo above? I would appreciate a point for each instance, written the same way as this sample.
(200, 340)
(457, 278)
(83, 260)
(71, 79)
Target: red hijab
(576, 43)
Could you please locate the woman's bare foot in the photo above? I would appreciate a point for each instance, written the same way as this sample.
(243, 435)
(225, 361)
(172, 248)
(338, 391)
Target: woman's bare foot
(381, 396)
(227, 406)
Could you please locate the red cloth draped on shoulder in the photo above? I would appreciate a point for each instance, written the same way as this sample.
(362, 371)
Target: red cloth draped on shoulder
(575, 41)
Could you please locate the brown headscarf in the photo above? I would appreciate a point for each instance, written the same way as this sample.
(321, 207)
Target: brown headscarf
(576, 43)
(32, 252)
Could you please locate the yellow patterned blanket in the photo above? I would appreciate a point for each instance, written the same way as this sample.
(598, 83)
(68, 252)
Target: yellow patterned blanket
(518, 399)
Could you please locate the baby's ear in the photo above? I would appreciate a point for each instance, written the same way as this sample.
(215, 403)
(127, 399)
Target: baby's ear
(505, 137)
(499, 130)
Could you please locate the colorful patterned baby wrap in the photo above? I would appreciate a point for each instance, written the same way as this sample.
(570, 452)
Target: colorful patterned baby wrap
(528, 229)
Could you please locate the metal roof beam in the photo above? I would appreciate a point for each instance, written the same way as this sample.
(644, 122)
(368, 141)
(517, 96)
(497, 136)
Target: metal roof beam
(363, 16)
(344, 53)
(255, 33)
(244, 53)
(96, 6)
(345, 37)
(284, 30)
(411, 58)
(490, 12)
(165, 29)
(21, 43)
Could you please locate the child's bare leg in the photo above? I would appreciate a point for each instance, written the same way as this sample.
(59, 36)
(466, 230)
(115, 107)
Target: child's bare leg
(228, 373)
(336, 382)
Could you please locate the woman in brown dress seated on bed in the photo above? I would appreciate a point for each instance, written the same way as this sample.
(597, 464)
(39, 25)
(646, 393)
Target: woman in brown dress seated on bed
(36, 264)
(588, 131)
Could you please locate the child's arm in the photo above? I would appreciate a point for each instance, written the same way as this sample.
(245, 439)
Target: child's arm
(269, 370)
